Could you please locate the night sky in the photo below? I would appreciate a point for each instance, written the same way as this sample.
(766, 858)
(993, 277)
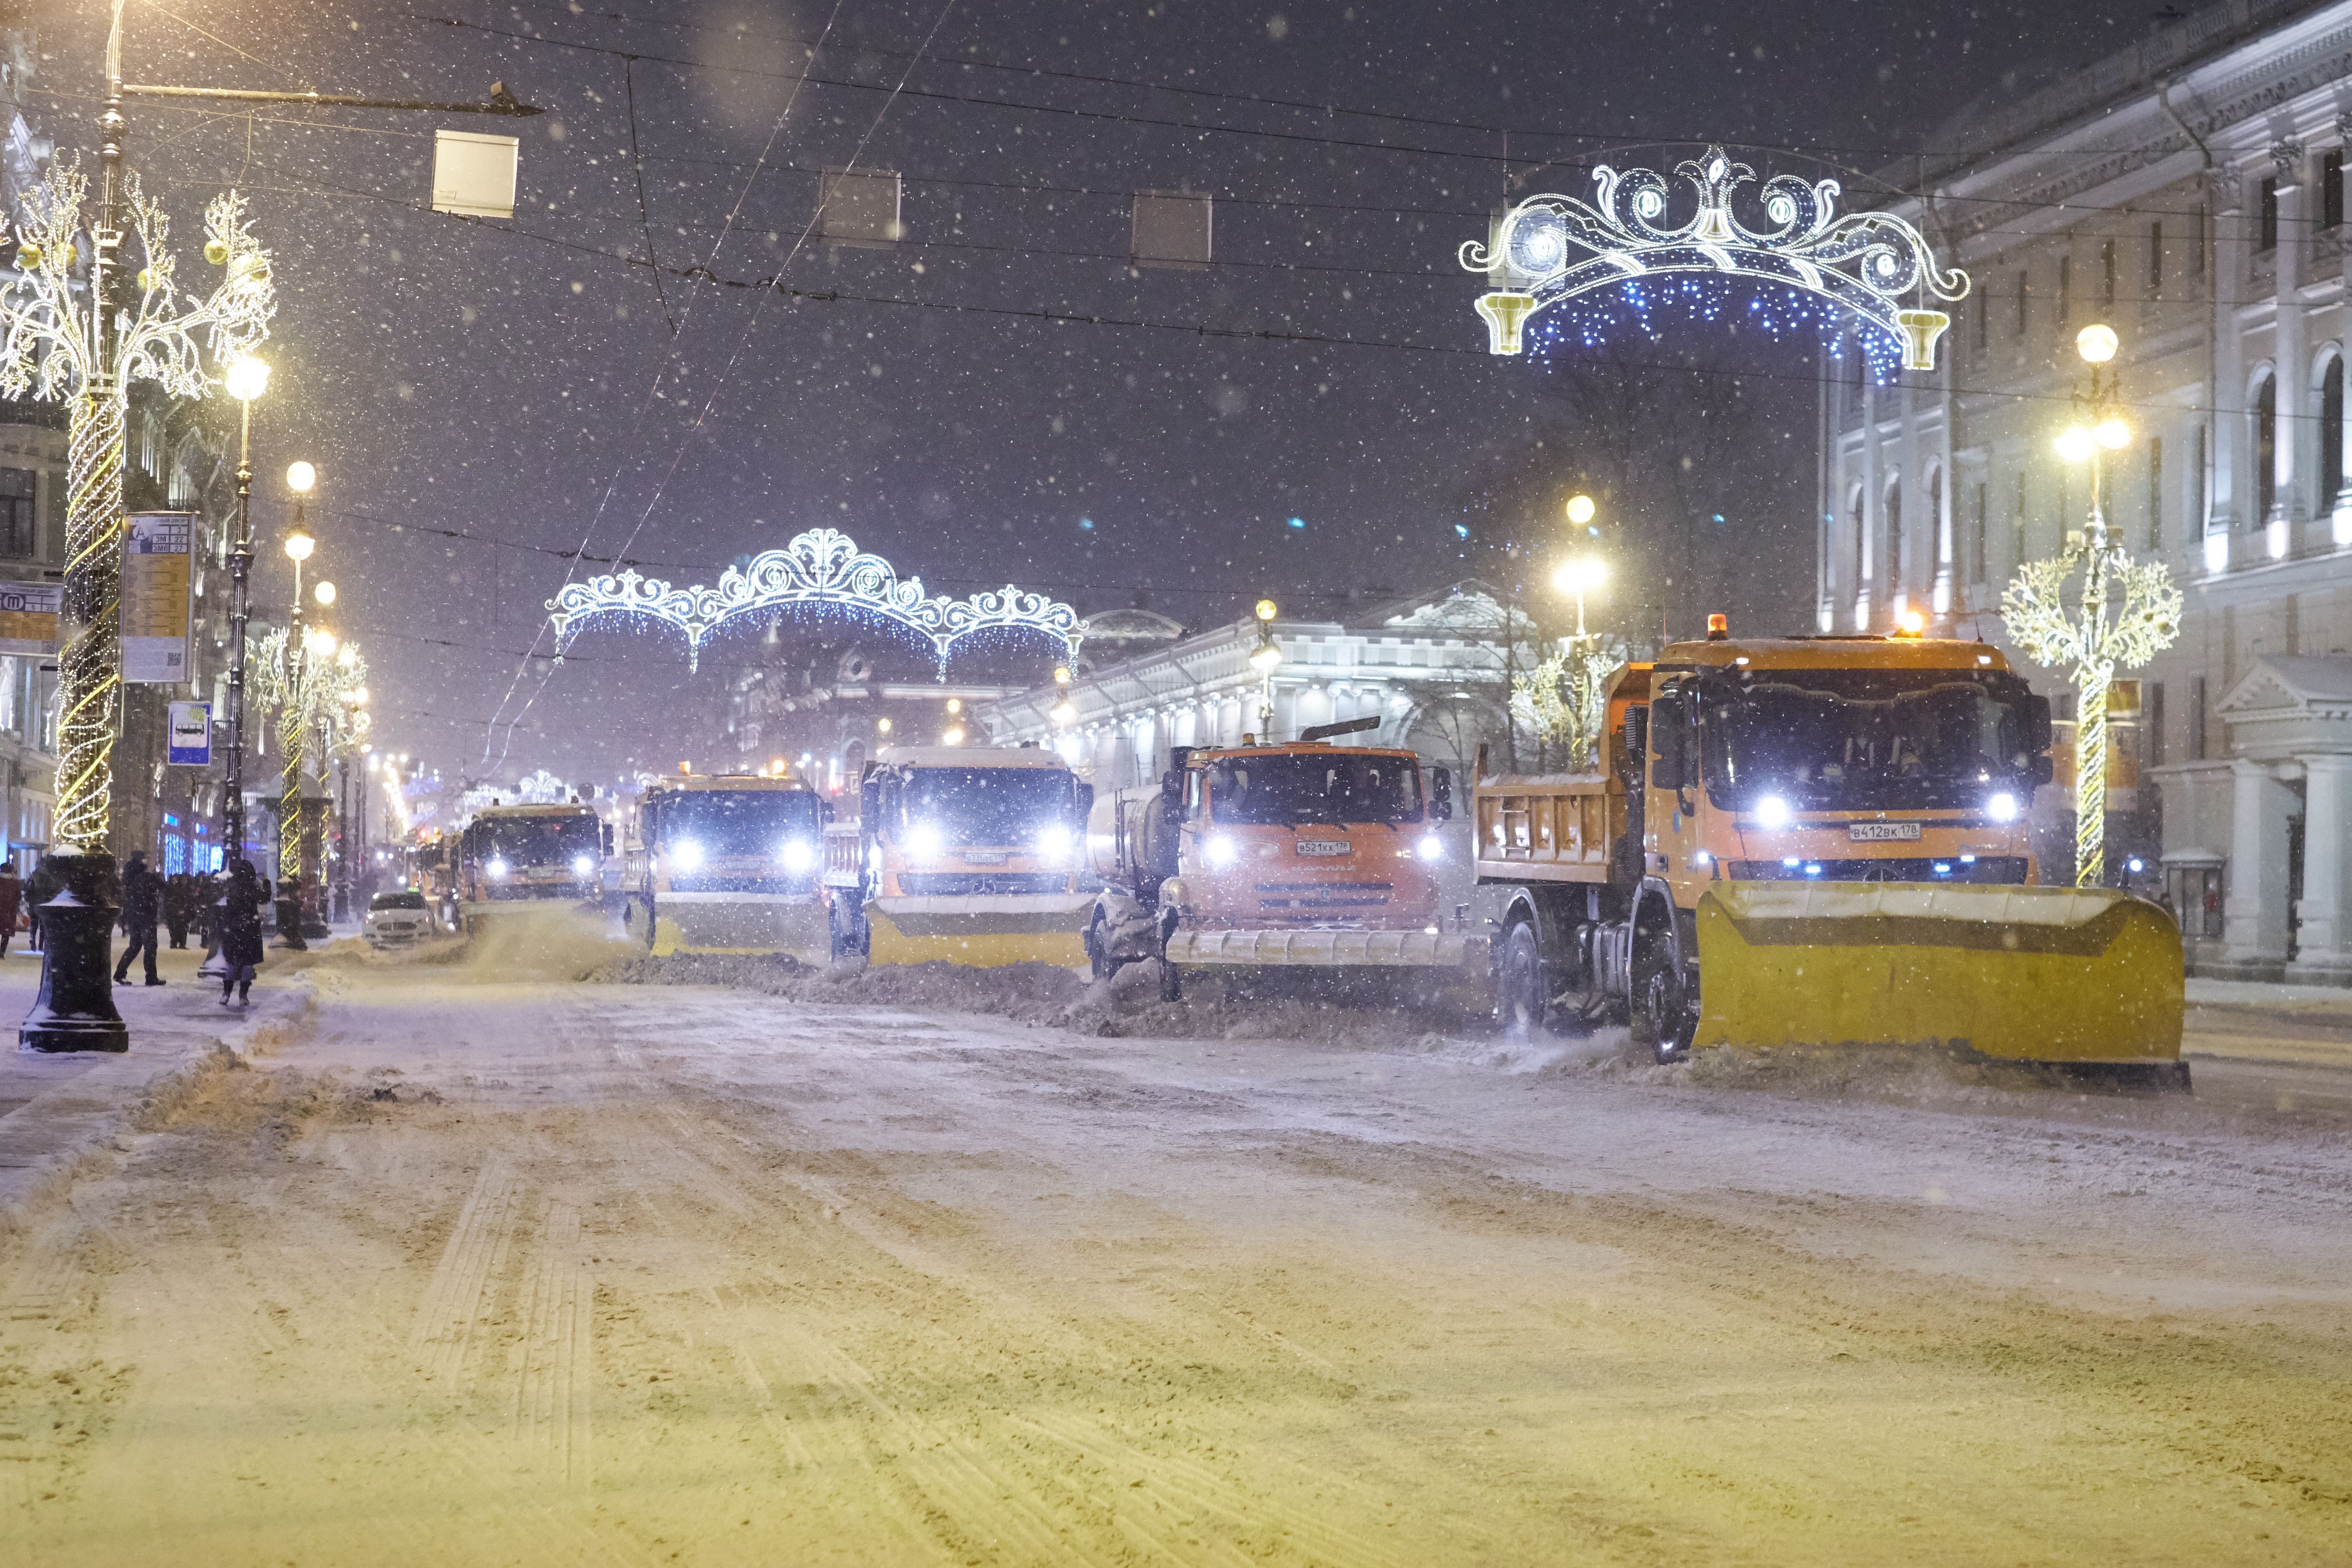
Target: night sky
(522, 382)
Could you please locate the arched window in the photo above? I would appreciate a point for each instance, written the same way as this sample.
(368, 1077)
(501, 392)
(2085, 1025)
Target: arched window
(2330, 466)
(2265, 449)
(1936, 516)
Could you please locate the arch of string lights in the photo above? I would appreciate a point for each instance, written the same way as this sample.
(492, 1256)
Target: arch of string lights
(1861, 265)
(820, 570)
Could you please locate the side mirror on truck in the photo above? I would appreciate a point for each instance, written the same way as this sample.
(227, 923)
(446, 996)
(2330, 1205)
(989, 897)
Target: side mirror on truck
(2045, 768)
(2037, 724)
(1086, 803)
(1670, 741)
(607, 835)
(1441, 795)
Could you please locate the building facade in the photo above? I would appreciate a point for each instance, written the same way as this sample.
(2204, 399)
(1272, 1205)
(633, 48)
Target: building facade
(1432, 669)
(2188, 192)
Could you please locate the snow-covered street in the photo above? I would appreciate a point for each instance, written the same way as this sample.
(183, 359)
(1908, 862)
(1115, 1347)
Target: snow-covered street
(444, 1267)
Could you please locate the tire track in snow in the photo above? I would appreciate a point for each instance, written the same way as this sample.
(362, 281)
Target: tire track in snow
(457, 1299)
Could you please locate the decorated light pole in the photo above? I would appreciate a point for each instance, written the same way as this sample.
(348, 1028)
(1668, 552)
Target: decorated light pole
(83, 345)
(1566, 696)
(1265, 659)
(2124, 613)
(318, 689)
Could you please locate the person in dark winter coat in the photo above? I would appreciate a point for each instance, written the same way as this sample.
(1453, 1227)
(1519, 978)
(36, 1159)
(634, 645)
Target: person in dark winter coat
(239, 921)
(46, 883)
(11, 898)
(179, 903)
(142, 906)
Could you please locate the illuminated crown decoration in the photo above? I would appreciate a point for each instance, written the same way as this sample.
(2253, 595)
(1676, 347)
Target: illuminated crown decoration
(1864, 262)
(822, 569)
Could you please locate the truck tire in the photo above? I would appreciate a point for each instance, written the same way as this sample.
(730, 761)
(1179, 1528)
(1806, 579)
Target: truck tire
(1519, 982)
(649, 923)
(1098, 951)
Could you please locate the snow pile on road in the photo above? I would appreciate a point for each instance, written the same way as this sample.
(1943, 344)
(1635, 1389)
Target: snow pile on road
(1304, 1008)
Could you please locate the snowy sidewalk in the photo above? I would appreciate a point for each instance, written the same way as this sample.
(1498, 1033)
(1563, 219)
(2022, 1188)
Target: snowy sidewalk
(2307, 1024)
(53, 1108)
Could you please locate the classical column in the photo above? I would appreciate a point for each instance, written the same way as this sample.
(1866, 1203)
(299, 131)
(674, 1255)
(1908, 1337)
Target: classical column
(2324, 937)
(2254, 911)
(1865, 555)
(2232, 248)
(1945, 598)
(2342, 500)
(1914, 509)
(2287, 504)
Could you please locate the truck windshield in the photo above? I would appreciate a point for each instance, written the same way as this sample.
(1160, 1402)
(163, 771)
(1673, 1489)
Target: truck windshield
(737, 821)
(986, 806)
(1291, 787)
(536, 841)
(1829, 740)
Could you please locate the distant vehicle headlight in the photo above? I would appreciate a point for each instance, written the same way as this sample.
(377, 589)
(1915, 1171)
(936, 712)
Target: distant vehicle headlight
(686, 854)
(581, 865)
(1222, 850)
(1771, 811)
(924, 841)
(1431, 847)
(498, 868)
(2003, 807)
(1054, 844)
(796, 855)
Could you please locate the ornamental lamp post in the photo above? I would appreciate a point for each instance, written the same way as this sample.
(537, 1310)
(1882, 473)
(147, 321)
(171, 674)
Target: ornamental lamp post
(299, 544)
(1265, 659)
(2126, 611)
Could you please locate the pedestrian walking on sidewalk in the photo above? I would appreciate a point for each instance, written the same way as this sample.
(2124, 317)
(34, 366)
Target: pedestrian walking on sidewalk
(237, 920)
(142, 899)
(12, 896)
(179, 903)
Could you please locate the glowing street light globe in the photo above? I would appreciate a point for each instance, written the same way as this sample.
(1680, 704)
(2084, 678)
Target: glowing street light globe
(2096, 344)
(1266, 610)
(1266, 657)
(1580, 576)
(300, 476)
(2075, 444)
(1580, 509)
(2112, 433)
(246, 378)
(324, 593)
(298, 543)
(319, 641)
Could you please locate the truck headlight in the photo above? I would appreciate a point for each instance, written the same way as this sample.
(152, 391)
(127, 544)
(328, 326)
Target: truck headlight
(1771, 811)
(1431, 847)
(1053, 845)
(925, 841)
(796, 855)
(688, 855)
(581, 865)
(2003, 807)
(1221, 850)
(498, 868)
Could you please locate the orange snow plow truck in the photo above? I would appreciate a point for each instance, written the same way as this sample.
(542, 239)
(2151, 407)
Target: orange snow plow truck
(1819, 841)
(1290, 854)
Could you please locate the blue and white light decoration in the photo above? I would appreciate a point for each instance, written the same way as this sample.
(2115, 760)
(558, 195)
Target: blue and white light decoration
(821, 572)
(1861, 264)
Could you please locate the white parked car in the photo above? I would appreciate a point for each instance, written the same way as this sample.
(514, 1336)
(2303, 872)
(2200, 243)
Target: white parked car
(398, 919)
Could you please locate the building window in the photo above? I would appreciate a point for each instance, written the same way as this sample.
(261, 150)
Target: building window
(17, 533)
(2331, 435)
(2066, 290)
(1984, 323)
(1977, 544)
(2265, 450)
(2155, 493)
(2155, 258)
(2266, 238)
(2196, 244)
(2107, 275)
(2020, 307)
(2153, 725)
(2331, 190)
(2199, 502)
(2196, 717)
(2017, 527)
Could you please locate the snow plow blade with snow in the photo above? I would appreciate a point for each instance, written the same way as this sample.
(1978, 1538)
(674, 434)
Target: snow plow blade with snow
(983, 932)
(2076, 977)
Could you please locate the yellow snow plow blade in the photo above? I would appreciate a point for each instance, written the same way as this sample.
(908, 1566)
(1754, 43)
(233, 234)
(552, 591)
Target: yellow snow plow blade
(2044, 975)
(1006, 928)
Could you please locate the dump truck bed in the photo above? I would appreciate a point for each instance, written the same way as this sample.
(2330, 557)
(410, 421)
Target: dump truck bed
(1553, 828)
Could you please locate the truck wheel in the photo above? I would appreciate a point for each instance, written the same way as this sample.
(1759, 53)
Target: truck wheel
(1099, 951)
(1661, 1019)
(649, 925)
(1520, 983)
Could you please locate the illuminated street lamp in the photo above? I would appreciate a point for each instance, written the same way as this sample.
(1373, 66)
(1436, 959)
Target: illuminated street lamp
(2127, 611)
(1265, 658)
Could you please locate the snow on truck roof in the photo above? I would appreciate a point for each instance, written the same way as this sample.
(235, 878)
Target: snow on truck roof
(1855, 651)
(539, 808)
(971, 757)
(726, 781)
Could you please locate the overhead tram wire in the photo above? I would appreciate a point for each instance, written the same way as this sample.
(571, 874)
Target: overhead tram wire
(1614, 147)
(653, 390)
(1297, 105)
